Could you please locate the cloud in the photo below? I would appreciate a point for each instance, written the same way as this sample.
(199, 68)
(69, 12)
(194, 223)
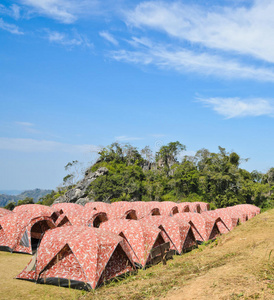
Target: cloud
(106, 35)
(10, 27)
(65, 11)
(74, 39)
(124, 138)
(28, 127)
(12, 11)
(241, 29)
(32, 145)
(236, 107)
(184, 60)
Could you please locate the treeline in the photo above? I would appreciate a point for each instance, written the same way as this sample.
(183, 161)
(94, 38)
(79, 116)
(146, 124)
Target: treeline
(211, 177)
(167, 175)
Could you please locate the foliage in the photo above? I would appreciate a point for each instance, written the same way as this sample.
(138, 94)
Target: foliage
(212, 177)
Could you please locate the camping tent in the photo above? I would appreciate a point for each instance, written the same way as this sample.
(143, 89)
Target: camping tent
(62, 208)
(167, 208)
(204, 227)
(4, 212)
(87, 217)
(78, 257)
(37, 208)
(222, 219)
(203, 205)
(22, 232)
(178, 231)
(141, 238)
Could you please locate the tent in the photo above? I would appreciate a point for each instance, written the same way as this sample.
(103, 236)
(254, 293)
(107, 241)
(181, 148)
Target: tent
(4, 212)
(37, 208)
(178, 231)
(22, 232)
(250, 209)
(194, 207)
(204, 227)
(120, 211)
(65, 207)
(183, 207)
(167, 208)
(222, 219)
(78, 257)
(98, 205)
(141, 238)
(87, 217)
(240, 213)
(203, 205)
(141, 208)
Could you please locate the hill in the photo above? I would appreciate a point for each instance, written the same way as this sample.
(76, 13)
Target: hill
(238, 265)
(36, 194)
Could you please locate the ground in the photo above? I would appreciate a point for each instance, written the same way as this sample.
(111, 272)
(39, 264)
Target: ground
(239, 265)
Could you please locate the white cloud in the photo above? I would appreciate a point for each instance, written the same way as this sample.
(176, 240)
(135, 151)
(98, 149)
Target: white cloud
(124, 138)
(32, 145)
(236, 107)
(65, 11)
(75, 39)
(106, 35)
(12, 11)
(27, 127)
(184, 60)
(245, 30)
(10, 27)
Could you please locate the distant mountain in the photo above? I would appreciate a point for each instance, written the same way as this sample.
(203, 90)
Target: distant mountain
(11, 192)
(36, 194)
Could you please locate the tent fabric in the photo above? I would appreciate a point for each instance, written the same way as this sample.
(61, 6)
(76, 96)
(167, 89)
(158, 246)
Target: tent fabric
(37, 208)
(251, 210)
(241, 213)
(65, 207)
(222, 219)
(194, 207)
(4, 212)
(140, 237)
(120, 211)
(183, 207)
(141, 208)
(178, 231)
(167, 208)
(97, 205)
(18, 229)
(87, 217)
(204, 206)
(204, 227)
(79, 254)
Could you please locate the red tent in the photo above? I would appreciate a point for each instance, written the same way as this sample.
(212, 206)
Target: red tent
(183, 207)
(222, 219)
(251, 210)
(63, 208)
(37, 208)
(177, 231)
(141, 208)
(204, 227)
(87, 217)
(141, 238)
(120, 211)
(203, 205)
(4, 212)
(239, 212)
(168, 208)
(22, 232)
(78, 257)
(97, 205)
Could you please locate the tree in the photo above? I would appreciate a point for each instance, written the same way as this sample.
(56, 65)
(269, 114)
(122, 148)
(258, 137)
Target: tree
(167, 155)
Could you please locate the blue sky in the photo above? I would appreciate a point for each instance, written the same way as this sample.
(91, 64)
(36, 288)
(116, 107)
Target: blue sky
(78, 75)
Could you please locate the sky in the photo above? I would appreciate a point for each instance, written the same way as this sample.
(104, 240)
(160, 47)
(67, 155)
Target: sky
(78, 75)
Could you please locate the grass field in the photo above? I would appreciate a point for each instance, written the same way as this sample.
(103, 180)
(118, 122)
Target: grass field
(239, 265)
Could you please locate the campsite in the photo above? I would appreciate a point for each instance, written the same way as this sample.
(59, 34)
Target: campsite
(61, 256)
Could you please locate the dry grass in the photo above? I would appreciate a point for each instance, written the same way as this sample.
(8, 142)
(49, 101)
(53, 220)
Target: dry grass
(239, 265)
